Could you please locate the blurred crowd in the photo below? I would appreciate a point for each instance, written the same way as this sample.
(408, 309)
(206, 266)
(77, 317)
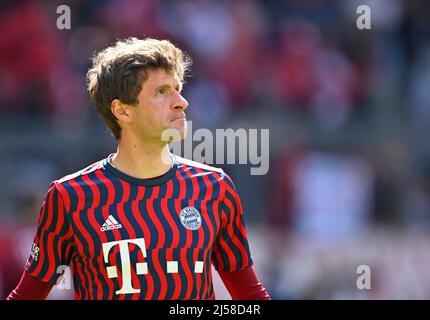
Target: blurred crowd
(348, 112)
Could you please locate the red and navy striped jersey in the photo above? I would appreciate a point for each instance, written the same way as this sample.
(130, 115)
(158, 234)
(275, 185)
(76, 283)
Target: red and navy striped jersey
(128, 238)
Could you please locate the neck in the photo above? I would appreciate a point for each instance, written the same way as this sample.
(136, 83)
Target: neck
(142, 160)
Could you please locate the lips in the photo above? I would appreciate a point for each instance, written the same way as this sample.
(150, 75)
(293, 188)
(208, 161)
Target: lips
(178, 118)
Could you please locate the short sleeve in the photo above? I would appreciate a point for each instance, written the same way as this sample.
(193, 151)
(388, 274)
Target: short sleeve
(53, 242)
(231, 250)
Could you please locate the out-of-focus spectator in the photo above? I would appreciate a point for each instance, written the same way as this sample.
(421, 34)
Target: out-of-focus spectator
(35, 74)
(332, 196)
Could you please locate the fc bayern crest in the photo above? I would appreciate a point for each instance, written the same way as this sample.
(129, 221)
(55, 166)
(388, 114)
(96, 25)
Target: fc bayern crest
(191, 218)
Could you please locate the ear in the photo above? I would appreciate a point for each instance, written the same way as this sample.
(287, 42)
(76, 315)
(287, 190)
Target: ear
(120, 110)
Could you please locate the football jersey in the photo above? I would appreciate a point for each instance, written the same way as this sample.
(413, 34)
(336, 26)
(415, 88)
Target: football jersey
(129, 238)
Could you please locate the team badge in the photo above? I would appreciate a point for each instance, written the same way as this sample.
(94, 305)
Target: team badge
(191, 218)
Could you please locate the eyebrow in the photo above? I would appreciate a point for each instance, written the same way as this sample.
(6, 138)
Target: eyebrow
(164, 86)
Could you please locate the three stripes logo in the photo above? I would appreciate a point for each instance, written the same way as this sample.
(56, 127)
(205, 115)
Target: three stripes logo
(110, 224)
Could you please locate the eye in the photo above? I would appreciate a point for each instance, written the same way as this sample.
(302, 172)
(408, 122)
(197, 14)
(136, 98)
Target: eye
(162, 90)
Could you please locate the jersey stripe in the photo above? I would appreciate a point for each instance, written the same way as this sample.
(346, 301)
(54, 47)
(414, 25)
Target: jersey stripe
(79, 217)
(198, 253)
(219, 256)
(206, 211)
(43, 225)
(150, 238)
(172, 279)
(157, 215)
(93, 243)
(141, 232)
(214, 226)
(67, 232)
(79, 280)
(167, 189)
(79, 236)
(162, 225)
(101, 286)
(237, 230)
(192, 187)
(104, 237)
(114, 255)
(52, 221)
(127, 230)
(175, 208)
(120, 197)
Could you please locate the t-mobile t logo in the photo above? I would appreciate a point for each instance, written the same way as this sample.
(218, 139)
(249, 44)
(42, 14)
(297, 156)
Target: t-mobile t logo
(141, 267)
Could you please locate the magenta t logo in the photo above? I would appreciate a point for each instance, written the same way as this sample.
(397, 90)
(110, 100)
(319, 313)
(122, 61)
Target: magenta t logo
(141, 267)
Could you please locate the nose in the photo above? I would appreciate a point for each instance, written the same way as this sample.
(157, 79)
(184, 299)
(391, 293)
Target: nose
(180, 102)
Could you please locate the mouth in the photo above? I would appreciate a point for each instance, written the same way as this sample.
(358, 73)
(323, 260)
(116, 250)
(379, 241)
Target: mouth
(179, 118)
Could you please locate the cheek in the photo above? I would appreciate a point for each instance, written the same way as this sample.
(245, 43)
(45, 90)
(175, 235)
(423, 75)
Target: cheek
(153, 115)
(153, 122)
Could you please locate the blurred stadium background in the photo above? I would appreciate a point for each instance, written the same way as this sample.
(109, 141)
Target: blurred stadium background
(348, 112)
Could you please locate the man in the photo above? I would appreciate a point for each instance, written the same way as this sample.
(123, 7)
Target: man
(143, 223)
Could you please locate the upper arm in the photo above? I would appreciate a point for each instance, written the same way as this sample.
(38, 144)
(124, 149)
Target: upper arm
(53, 239)
(231, 251)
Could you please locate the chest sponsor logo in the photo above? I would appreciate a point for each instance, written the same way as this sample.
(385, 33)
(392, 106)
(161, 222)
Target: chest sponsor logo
(128, 266)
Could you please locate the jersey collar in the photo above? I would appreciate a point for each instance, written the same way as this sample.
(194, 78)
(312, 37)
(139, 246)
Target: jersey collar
(137, 181)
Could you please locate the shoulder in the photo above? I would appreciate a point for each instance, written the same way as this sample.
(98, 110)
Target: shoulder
(59, 189)
(186, 163)
(78, 174)
(219, 174)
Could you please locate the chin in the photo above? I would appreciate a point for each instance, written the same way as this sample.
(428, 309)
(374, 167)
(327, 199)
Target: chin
(175, 133)
(183, 131)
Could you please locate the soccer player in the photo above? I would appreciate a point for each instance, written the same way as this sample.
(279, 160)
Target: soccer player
(142, 223)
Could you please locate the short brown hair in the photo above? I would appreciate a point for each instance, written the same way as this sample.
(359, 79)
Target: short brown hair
(119, 71)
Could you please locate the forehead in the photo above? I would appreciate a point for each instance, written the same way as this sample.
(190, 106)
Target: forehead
(157, 77)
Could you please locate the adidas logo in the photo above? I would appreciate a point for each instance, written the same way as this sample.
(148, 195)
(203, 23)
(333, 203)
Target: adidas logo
(110, 224)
